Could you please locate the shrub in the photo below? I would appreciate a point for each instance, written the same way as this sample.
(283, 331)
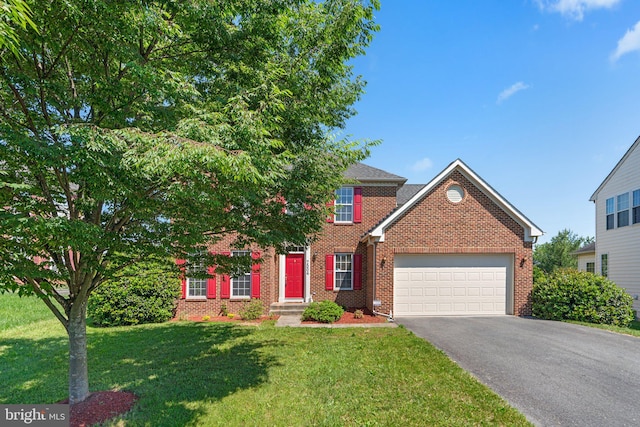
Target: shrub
(224, 311)
(252, 310)
(568, 294)
(325, 312)
(143, 293)
(358, 314)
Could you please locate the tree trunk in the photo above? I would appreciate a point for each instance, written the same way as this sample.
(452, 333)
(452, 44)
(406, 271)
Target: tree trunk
(78, 373)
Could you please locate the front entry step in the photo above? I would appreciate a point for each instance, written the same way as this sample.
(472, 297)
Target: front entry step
(288, 308)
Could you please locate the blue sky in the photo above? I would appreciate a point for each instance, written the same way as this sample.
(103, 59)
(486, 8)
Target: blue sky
(541, 98)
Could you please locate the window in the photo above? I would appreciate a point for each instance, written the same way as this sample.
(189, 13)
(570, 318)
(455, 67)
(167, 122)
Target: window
(604, 265)
(344, 204)
(636, 207)
(591, 267)
(196, 287)
(610, 213)
(622, 204)
(241, 282)
(343, 272)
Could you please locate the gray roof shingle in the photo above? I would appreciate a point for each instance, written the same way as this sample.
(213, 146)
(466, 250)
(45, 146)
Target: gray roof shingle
(365, 173)
(406, 192)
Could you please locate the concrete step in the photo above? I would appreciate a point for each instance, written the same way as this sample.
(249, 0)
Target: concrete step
(287, 308)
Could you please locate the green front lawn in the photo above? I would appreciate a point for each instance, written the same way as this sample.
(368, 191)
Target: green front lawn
(633, 329)
(208, 374)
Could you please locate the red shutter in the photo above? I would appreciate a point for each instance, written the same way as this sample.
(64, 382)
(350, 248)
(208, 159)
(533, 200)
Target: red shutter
(183, 278)
(330, 205)
(357, 204)
(255, 276)
(357, 272)
(328, 272)
(211, 282)
(225, 284)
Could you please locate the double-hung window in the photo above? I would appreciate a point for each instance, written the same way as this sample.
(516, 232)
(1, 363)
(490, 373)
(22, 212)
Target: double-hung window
(343, 272)
(604, 265)
(636, 207)
(610, 213)
(241, 282)
(196, 286)
(591, 267)
(622, 205)
(344, 204)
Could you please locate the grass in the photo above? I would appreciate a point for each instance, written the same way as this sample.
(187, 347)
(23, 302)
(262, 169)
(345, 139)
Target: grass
(210, 374)
(633, 329)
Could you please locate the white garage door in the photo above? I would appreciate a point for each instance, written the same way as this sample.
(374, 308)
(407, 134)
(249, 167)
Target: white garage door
(445, 285)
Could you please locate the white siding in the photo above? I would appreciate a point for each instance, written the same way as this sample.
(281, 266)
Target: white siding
(583, 259)
(621, 244)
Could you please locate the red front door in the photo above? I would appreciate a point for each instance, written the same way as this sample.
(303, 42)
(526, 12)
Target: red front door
(294, 276)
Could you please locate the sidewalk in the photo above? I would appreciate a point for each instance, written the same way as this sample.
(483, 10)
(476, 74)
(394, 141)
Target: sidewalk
(294, 321)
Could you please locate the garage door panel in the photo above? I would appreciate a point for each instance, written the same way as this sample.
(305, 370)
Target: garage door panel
(452, 287)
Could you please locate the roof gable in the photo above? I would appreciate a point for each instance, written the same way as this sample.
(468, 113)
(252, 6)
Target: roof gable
(615, 169)
(531, 230)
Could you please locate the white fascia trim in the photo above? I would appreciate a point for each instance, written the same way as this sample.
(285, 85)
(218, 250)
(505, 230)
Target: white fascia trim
(594, 196)
(531, 231)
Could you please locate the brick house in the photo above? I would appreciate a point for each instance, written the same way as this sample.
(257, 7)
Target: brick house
(451, 247)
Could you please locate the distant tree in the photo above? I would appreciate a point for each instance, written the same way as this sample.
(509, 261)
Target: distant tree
(558, 253)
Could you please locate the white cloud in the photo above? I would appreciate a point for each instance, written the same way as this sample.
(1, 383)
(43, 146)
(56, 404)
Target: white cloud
(575, 9)
(510, 91)
(422, 165)
(628, 43)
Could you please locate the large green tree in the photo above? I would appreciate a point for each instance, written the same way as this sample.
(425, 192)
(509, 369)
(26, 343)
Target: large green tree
(13, 14)
(138, 128)
(558, 253)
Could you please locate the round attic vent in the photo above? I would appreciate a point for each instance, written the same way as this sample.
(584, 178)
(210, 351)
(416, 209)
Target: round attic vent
(455, 193)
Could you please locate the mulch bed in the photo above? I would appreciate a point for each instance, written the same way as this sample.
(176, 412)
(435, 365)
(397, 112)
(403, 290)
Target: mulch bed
(235, 319)
(100, 407)
(348, 317)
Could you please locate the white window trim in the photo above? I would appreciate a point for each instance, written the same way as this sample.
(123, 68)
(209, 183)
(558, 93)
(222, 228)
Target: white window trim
(335, 272)
(189, 295)
(622, 210)
(232, 279)
(336, 204)
(199, 267)
(611, 212)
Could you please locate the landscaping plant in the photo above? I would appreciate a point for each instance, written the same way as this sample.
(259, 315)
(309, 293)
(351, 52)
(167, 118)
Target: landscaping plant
(143, 293)
(252, 310)
(326, 312)
(568, 294)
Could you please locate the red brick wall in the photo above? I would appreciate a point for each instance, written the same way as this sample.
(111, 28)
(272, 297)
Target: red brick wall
(212, 306)
(475, 225)
(377, 203)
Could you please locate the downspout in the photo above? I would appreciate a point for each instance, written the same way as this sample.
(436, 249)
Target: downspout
(375, 262)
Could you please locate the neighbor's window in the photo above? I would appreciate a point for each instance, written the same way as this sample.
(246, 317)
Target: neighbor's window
(636, 207)
(196, 286)
(343, 271)
(591, 267)
(622, 203)
(344, 204)
(604, 265)
(241, 282)
(610, 213)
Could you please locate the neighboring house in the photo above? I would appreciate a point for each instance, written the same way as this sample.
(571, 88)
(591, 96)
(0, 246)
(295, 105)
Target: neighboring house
(586, 258)
(617, 202)
(454, 246)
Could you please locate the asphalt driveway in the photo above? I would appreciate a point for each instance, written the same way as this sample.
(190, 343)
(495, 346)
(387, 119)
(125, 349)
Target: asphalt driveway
(556, 374)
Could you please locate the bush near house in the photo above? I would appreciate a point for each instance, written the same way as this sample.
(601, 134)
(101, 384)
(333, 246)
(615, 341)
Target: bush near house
(145, 293)
(326, 312)
(252, 310)
(568, 294)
